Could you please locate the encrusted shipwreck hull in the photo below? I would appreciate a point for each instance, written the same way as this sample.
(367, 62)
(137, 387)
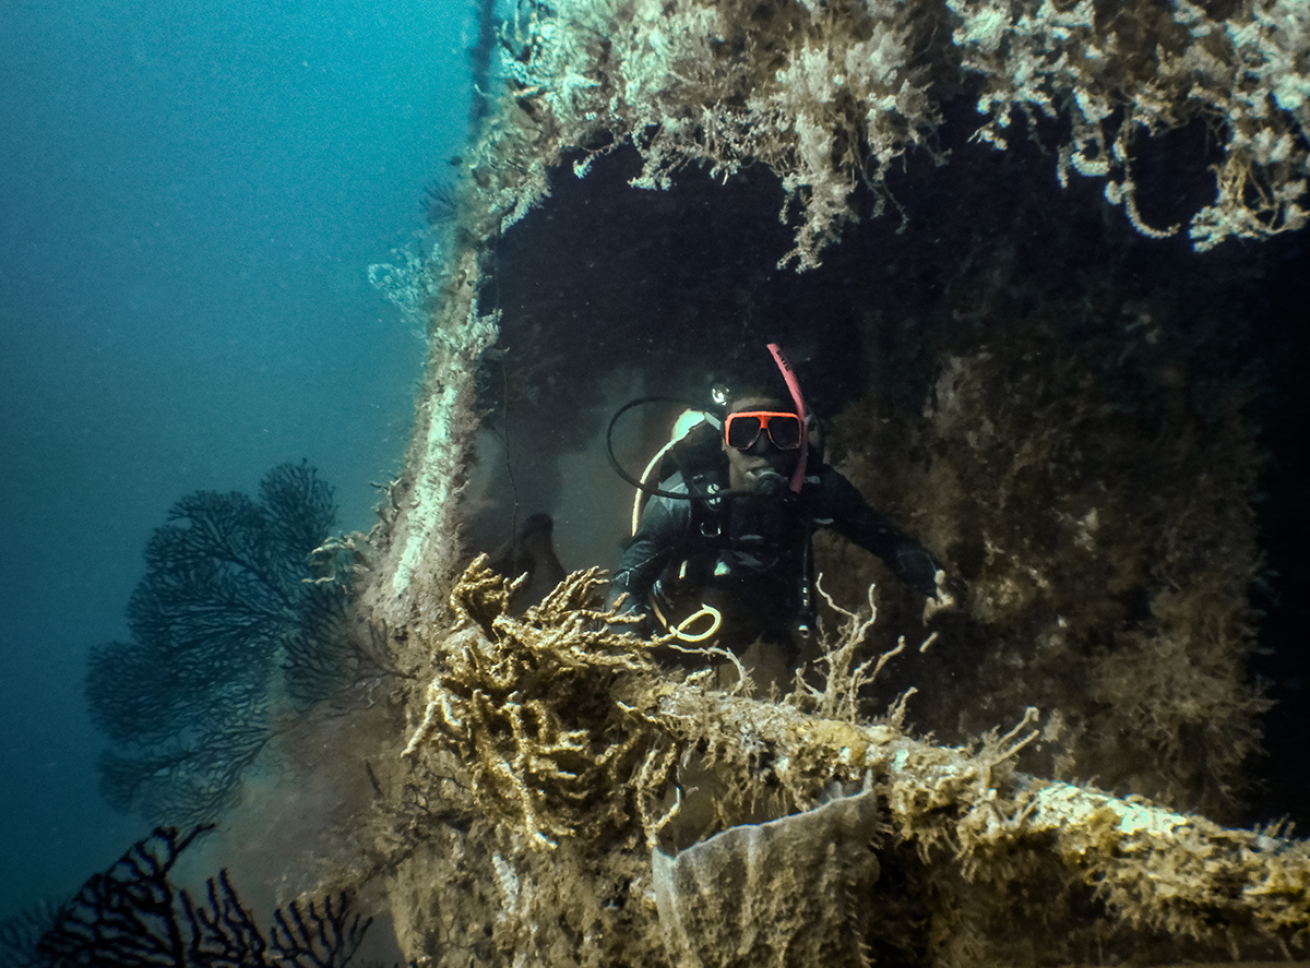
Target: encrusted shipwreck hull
(562, 799)
(580, 770)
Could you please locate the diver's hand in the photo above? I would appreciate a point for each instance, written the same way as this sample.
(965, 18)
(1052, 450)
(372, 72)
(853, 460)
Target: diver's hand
(951, 593)
(627, 615)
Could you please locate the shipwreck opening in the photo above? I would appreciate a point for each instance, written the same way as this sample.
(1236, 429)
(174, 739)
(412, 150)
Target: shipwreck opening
(1004, 366)
(602, 279)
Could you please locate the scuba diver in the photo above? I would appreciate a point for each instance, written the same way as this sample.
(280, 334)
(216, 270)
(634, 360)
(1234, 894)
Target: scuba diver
(722, 549)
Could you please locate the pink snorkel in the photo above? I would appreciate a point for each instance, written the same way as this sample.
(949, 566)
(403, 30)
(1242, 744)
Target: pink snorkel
(794, 388)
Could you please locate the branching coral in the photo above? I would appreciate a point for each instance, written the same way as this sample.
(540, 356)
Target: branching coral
(826, 95)
(21, 933)
(512, 694)
(844, 679)
(330, 659)
(570, 754)
(1181, 874)
(1094, 487)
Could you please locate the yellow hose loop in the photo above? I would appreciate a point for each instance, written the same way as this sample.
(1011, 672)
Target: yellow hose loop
(688, 421)
(680, 630)
(637, 502)
(684, 633)
(683, 630)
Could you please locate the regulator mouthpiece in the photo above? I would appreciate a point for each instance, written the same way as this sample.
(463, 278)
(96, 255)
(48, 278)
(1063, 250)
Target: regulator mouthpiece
(769, 484)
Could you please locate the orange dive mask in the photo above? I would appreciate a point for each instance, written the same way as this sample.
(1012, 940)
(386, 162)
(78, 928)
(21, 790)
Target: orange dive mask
(742, 430)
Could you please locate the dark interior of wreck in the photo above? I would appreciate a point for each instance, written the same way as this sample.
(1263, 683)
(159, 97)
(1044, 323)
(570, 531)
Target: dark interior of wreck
(603, 278)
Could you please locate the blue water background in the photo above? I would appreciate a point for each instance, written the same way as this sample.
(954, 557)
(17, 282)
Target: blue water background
(192, 194)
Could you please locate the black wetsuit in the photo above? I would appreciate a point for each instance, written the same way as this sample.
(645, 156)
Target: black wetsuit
(750, 557)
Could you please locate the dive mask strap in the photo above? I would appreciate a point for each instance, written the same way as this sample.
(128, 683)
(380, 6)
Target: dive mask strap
(794, 388)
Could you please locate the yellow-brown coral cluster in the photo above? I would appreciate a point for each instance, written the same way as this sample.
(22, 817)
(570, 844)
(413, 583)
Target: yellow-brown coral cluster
(527, 704)
(572, 736)
(1179, 873)
(827, 95)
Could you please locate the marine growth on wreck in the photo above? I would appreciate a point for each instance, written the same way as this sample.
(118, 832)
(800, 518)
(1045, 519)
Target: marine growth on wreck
(1058, 425)
(1023, 348)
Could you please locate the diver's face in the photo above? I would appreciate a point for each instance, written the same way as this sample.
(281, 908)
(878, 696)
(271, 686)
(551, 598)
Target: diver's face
(745, 466)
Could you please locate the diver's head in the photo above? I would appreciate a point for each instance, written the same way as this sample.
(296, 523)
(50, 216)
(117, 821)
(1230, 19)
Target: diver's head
(764, 424)
(762, 439)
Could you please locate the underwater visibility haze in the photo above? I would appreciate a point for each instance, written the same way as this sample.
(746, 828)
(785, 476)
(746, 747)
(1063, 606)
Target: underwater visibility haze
(193, 194)
(1041, 268)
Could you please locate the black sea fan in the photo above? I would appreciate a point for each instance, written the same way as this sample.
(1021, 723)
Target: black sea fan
(186, 703)
(132, 916)
(441, 200)
(21, 934)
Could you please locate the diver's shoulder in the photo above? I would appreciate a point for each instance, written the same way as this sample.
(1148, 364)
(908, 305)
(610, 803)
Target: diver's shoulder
(824, 475)
(675, 495)
(828, 486)
(675, 483)
(681, 495)
(699, 483)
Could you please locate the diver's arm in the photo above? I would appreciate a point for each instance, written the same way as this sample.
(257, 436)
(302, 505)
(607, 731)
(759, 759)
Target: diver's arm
(660, 533)
(840, 504)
